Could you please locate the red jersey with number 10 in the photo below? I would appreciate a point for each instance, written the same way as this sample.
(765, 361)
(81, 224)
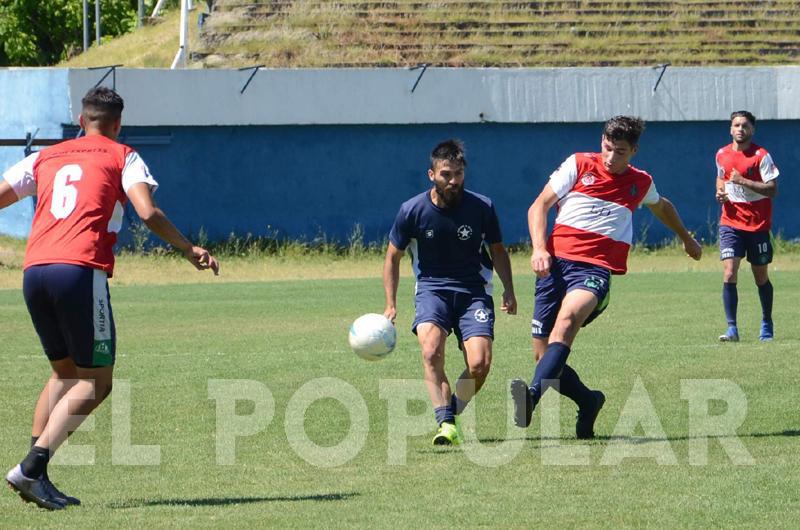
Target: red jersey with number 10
(80, 191)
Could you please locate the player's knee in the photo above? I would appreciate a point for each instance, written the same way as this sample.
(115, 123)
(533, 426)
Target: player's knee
(479, 368)
(729, 276)
(432, 356)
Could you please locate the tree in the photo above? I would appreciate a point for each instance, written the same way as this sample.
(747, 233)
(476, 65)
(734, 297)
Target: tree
(37, 33)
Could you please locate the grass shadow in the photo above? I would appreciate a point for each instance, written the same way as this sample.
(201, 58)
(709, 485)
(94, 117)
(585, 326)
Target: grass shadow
(230, 501)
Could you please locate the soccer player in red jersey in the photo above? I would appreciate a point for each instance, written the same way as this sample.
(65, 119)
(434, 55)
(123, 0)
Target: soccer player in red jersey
(596, 194)
(82, 186)
(746, 184)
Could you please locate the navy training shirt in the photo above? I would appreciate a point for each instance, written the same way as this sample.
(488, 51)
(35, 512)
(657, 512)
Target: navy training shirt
(448, 246)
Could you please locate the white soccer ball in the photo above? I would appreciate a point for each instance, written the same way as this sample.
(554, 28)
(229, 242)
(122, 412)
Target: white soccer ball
(372, 336)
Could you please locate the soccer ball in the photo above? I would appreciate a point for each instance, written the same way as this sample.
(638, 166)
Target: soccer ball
(372, 336)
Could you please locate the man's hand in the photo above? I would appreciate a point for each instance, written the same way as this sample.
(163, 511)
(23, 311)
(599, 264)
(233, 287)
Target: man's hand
(391, 313)
(540, 262)
(737, 178)
(722, 196)
(693, 248)
(201, 259)
(509, 304)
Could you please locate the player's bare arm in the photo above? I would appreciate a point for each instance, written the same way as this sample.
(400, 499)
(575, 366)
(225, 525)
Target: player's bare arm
(502, 264)
(722, 195)
(665, 212)
(767, 189)
(7, 194)
(160, 225)
(391, 279)
(537, 226)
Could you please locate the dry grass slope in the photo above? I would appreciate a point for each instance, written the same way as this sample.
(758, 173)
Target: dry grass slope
(317, 33)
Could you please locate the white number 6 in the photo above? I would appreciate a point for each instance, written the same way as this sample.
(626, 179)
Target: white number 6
(65, 195)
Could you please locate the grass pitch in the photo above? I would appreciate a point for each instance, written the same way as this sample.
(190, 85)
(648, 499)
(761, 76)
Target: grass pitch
(280, 335)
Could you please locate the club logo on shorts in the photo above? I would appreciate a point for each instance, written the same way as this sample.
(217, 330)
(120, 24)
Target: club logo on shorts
(481, 315)
(593, 282)
(588, 179)
(464, 232)
(429, 234)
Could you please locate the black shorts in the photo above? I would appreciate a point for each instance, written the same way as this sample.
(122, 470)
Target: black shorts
(735, 243)
(71, 312)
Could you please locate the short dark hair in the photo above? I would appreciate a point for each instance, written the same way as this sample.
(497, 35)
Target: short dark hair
(452, 150)
(102, 104)
(628, 128)
(744, 114)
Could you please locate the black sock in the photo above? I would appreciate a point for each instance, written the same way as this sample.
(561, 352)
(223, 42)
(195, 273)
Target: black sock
(572, 387)
(765, 294)
(34, 439)
(457, 405)
(549, 368)
(444, 415)
(35, 464)
(730, 301)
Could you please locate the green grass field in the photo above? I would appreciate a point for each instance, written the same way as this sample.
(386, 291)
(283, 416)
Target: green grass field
(174, 340)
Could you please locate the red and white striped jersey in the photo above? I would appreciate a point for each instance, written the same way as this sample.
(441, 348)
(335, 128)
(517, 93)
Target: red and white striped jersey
(81, 186)
(746, 209)
(595, 211)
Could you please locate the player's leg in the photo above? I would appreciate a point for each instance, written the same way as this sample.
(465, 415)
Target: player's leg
(33, 486)
(759, 254)
(731, 252)
(432, 338)
(475, 332)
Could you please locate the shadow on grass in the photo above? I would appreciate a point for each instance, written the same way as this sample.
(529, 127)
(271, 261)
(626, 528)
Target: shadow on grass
(230, 501)
(641, 439)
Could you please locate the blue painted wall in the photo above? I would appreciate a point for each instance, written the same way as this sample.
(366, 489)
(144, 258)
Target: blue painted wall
(303, 181)
(32, 99)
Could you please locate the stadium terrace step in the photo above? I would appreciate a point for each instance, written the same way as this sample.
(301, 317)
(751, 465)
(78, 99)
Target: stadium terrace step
(502, 32)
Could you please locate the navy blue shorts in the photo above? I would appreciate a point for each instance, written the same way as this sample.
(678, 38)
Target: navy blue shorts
(71, 311)
(735, 243)
(566, 275)
(468, 314)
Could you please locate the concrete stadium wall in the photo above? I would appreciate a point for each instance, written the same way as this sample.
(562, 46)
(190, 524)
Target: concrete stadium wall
(309, 152)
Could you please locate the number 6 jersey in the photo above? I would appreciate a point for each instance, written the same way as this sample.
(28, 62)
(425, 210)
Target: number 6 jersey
(595, 211)
(81, 186)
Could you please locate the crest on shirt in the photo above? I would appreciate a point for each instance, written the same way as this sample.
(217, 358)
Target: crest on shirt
(481, 315)
(464, 232)
(634, 190)
(588, 179)
(429, 234)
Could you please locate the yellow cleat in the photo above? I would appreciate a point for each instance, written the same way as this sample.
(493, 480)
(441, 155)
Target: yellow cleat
(448, 434)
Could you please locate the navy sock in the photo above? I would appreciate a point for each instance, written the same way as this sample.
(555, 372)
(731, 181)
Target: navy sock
(457, 405)
(765, 294)
(444, 414)
(549, 367)
(35, 464)
(34, 439)
(572, 387)
(730, 300)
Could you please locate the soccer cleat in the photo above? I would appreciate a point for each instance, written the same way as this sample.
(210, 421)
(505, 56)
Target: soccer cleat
(732, 335)
(767, 333)
(523, 402)
(60, 496)
(448, 434)
(32, 490)
(584, 425)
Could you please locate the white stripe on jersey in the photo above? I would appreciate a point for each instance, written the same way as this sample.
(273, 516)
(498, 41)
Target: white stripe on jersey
(20, 176)
(136, 171)
(594, 215)
(487, 274)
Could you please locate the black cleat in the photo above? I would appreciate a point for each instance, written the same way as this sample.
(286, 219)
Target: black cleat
(60, 496)
(32, 490)
(523, 402)
(584, 425)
